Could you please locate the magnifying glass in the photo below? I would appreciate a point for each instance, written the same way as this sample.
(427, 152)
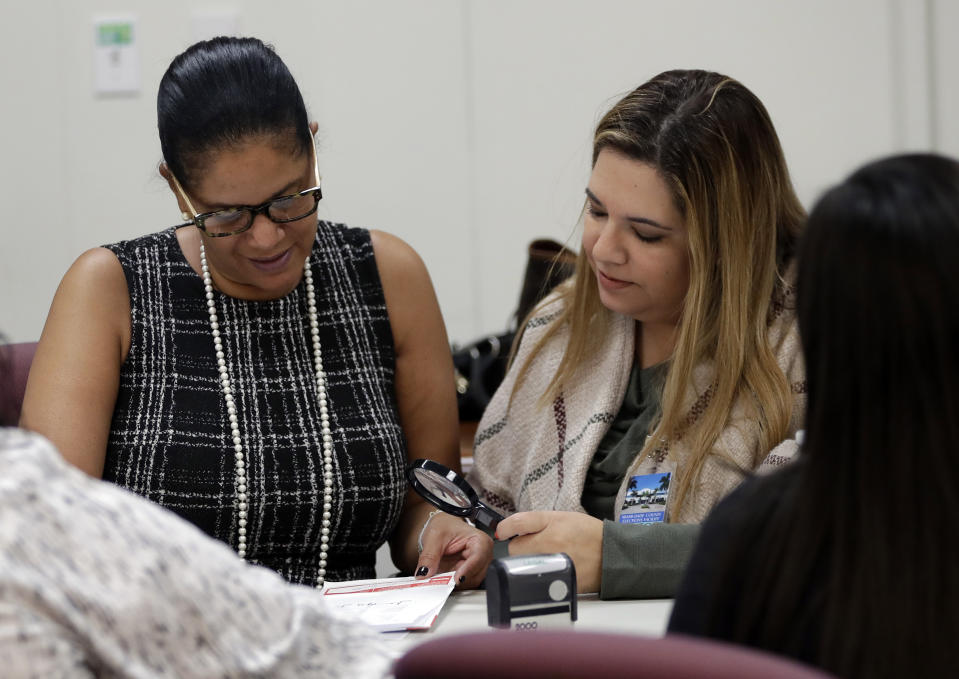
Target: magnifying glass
(445, 489)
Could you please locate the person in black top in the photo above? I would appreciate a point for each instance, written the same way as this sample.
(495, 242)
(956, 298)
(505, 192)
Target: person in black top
(848, 559)
(264, 374)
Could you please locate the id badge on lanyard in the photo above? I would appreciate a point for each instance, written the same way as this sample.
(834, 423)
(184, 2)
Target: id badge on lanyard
(646, 497)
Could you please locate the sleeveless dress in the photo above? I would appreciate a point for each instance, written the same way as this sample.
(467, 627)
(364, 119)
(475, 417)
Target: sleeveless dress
(170, 438)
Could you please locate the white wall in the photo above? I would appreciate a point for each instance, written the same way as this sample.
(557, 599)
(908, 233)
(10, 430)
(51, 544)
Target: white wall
(461, 125)
(944, 75)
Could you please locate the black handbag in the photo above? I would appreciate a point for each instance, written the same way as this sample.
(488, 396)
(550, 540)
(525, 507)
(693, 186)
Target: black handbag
(481, 365)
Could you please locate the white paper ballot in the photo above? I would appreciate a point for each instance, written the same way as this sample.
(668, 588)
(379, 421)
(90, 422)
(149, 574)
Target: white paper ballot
(391, 604)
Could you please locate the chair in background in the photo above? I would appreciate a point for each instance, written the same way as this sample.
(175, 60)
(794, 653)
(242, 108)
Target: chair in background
(17, 358)
(571, 654)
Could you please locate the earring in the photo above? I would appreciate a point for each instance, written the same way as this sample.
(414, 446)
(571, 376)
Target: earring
(186, 216)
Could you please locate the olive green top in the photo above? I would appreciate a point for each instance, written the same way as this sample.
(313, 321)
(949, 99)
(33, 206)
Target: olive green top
(624, 439)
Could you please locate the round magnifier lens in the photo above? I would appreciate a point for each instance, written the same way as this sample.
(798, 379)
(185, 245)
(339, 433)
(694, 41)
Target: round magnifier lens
(447, 490)
(442, 488)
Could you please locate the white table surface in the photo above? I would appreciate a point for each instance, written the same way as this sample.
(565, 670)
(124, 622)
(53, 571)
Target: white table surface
(466, 612)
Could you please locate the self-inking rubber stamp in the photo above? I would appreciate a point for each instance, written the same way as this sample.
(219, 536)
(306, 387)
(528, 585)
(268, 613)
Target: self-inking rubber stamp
(531, 592)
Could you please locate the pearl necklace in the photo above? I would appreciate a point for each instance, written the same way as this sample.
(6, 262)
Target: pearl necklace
(241, 478)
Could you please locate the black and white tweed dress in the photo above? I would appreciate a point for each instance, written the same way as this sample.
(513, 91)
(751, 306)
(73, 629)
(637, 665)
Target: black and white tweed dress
(170, 436)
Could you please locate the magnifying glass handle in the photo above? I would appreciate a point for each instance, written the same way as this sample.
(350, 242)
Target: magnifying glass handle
(486, 517)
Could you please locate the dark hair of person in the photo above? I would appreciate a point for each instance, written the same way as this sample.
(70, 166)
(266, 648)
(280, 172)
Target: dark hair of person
(221, 93)
(863, 545)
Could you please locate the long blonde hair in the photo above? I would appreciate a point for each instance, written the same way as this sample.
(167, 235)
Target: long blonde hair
(714, 144)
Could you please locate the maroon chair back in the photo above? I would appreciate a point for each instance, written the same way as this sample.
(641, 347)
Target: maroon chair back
(17, 359)
(574, 655)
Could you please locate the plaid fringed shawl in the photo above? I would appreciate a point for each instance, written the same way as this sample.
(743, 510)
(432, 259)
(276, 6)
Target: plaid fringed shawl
(531, 458)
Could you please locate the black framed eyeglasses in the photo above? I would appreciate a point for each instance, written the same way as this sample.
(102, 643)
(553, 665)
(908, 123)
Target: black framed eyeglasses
(234, 220)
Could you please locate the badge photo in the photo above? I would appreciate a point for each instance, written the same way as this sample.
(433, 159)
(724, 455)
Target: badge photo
(646, 497)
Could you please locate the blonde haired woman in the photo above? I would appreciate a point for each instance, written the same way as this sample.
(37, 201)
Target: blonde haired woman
(668, 366)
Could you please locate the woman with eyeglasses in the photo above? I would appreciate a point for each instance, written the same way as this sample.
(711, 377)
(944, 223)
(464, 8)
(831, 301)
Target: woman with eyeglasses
(263, 374)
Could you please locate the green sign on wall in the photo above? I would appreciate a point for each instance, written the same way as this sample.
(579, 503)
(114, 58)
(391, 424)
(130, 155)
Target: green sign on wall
(109, 35)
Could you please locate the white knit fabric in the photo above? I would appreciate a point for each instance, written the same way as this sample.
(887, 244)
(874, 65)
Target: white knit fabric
(98, 582)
